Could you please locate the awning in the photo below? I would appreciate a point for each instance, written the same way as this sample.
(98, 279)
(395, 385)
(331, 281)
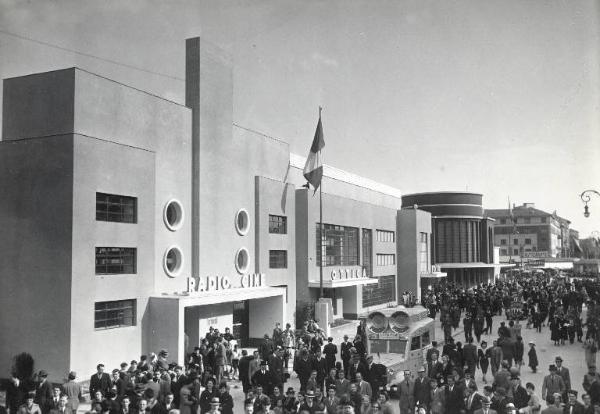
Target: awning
(339, 283)
(223, 296)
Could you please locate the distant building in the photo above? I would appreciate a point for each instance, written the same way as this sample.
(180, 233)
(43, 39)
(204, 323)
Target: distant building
(530, 233)
(462, 237)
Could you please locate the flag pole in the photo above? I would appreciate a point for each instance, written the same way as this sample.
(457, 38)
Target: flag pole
(321, 227)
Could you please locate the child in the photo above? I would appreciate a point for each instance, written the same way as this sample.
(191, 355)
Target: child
(533, 359)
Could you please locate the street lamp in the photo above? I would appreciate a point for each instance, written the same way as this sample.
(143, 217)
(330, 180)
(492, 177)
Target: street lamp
(586, 197)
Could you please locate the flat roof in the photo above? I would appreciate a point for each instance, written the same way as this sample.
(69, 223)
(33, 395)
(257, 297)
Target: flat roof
(471, 265)
(222, 296)
(338, 283)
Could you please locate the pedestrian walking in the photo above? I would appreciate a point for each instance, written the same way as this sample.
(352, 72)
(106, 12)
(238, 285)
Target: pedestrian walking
(533, 359)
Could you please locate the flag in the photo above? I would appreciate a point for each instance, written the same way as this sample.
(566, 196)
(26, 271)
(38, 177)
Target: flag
(313, 169)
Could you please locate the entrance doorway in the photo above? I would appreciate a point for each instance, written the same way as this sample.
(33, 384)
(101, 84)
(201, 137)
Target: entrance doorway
(241, 322)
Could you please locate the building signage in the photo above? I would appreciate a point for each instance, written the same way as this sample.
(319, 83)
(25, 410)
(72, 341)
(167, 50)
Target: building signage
(216, 283)
(538, 254)
(356, 273)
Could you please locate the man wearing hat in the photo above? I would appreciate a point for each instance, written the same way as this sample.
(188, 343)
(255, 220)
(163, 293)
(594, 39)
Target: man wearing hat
(500, 400)
(73, 391)
(485, 407)
(309, 403)
(276, 368)
(422, 389)
(43, 392)
(263, 378)
(214, 405)
(553, 383)
(345, 353)
(519, 394)
(563, 372)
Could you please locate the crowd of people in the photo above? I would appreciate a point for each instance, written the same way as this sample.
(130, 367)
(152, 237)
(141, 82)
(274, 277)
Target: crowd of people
(343, 377)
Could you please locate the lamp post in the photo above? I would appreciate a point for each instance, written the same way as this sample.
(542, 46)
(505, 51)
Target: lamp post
(586, 197)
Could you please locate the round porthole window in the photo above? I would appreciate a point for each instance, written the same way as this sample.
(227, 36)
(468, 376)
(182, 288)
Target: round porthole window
(173, 215)
(173, 261)
(242, 221)
(242, 259)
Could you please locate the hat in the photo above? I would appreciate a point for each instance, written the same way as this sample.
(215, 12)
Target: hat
(558, 358)
(552, 367)
(42, 374)
(72, 374)
(215, 400)
(133, 361)
(421, 369)
(290, 390)
(501, 391)
(574, 392)
(510, 405)
(332, 387)
(310, 394)
(163, 352)
(263, 362)
(406, 372)
(149, 393)
(345, 336)
(531, 343)
(123, 364)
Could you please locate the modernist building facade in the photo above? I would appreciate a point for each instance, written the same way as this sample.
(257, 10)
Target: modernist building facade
(531, 233)
(462, 236)
(132, 223)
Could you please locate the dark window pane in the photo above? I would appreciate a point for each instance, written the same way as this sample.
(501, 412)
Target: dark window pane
(117, 208)
(278, 259)
(115, 260)
(383, 292)
(114, 314)
(339, 245)
(277, 224)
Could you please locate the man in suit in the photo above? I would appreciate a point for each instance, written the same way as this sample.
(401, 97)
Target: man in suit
(454, 396)
(225, 399)
(254, 366)
(422, 392)
(519, 394)
(320, 365)
(331, 401)
(100, 381)
(342, 385)
(485, 407)
(496, 357)
(364, 388)
(43, 392)
(276, 368)
(473, 399)
(263, 378)
(244, 370)
(375, 374)
(563, 372)
(303, 367)
(573, 406)
(62, 406)
(357, 366)
(470, 355)
(406, 388)
(345, 353)
(55, 401)
(330, 350)
(553, 383)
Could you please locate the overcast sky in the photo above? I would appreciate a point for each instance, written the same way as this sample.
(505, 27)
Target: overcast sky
(499, 97)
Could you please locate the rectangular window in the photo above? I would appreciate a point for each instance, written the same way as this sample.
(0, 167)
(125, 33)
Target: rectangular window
(117, 208)
(415, 343)
(503, 242)
(277, 224)
(503, 252)
(338, 247)
(382, 292)
(543, 219)
(527, 241)
(425, 339)
(367, 251)
(516, 252)
(278, 259)
(114, 314)
(516, 242)
(386, 259)
(423, 253)
(115, 260)
(386, 236)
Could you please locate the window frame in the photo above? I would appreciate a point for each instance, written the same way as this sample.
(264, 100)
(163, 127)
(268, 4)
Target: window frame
(273, 259)
(118, 202)
(341, 245)
(276, 222)
(121, 319)
(109, 257)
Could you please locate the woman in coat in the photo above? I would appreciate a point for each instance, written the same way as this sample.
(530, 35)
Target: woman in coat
(483, 360)
(533, 359)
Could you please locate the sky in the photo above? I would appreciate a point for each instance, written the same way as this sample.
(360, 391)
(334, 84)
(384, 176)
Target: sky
(500, 97)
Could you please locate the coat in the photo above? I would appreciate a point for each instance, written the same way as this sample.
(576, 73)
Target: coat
(454, 399)
(533, 359)
(102, 383)
(565, 375)
(43, 395)
(438, 400)
(552, 384)
(407, 396)
(422, 391)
